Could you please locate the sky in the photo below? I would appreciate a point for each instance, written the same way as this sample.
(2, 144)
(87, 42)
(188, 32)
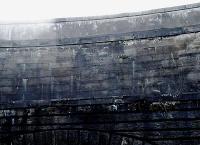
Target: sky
(32, 10)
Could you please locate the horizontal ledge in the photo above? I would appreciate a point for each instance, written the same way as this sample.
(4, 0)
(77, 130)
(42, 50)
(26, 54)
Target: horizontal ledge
(21, 104)
(135, 35)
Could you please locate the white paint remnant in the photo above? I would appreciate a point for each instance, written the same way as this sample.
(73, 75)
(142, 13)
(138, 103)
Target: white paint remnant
(72, 83)
(24, 81)
(113, 107)
(124, 141)
(10, 33)
(42, 90)
(24, 67)
(133, 68)
(95, 26)
(132, 20)
(129, 43)
(173, 60)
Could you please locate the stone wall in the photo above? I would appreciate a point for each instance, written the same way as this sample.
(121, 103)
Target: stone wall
(136, 74)
(131, 54)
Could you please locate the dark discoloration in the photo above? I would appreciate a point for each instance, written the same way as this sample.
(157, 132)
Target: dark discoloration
(123, 80)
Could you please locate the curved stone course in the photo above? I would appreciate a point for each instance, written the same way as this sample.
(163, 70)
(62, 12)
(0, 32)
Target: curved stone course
(140, 54)
(112, 80)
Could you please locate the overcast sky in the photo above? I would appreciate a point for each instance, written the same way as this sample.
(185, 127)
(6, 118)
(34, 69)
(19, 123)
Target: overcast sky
(28, 10)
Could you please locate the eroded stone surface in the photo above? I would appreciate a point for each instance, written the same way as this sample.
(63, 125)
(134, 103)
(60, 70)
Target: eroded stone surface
(90, 66)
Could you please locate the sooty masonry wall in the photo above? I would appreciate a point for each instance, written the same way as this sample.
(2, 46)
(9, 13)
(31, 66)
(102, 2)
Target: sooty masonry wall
(141, 54)
(114, 80)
